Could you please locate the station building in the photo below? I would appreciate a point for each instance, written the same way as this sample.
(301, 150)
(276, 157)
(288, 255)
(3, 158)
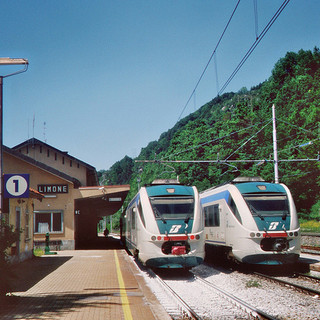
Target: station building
(68, 201)
(18, 212)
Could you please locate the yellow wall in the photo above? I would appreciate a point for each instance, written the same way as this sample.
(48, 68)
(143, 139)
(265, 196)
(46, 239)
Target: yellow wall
(60, 202)
(21, 211)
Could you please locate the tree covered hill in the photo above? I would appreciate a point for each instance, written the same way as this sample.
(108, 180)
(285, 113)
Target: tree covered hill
(238, 126)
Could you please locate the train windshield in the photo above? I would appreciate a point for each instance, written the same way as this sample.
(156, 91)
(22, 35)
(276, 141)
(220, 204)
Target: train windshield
(268, 205)
(172, 207)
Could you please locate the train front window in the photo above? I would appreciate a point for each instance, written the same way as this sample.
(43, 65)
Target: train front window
(172, 207)
(267, 205)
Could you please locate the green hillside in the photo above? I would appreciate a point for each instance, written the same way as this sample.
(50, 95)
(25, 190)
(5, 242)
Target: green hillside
(238, 126)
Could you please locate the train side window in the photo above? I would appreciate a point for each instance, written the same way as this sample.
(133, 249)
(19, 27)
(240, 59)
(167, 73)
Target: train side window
(212, 216)
(234, 209)
(141, 213)
(133, 218)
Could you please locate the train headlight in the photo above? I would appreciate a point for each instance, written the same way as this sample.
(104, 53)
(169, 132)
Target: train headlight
(192, 237)
(153, 238)
(197, 237)
(296, 233)
(290, 234)
(255, 235)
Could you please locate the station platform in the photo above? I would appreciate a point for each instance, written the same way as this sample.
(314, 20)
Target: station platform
(80, 284)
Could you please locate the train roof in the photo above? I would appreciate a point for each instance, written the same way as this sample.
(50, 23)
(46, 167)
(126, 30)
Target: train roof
(164, 182)
(241, 180)
(169, 190)
(247, 179)
(247, 185)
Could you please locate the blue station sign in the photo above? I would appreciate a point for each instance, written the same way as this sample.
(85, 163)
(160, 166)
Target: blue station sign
(16, 185)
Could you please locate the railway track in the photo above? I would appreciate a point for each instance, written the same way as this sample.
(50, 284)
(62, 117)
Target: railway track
(220, 303)
(313, 290)
(276, 301)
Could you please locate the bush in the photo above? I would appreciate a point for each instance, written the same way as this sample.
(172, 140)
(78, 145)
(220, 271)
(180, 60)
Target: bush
(8, 236)
(315, 211)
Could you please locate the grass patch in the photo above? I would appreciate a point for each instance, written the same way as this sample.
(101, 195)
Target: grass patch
(253, 284)
(310, 226)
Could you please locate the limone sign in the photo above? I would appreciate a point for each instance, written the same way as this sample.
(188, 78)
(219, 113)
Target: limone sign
(16, 185)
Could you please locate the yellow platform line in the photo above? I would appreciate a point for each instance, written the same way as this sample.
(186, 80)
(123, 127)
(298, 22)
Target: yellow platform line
(123, 293)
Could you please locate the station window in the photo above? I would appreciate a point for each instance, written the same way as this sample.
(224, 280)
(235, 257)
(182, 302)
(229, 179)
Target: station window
(48, 153)
(70, 163)
(55, 156)
(26, 227)
(212, 217)
(40, 149)
(62, 160)
(48, 221)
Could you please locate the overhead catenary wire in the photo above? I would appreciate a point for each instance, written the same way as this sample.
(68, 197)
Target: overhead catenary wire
(246, 56)
(255, 8)
(207, 65)
(254, 45)
(228, 160)
(243, 144)
(215, 139)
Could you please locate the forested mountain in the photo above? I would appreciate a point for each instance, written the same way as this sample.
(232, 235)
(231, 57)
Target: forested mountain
(238, 126)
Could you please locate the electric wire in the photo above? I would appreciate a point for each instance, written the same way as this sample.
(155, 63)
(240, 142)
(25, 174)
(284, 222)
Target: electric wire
(226, 160)
(247, 55)
(255, 8)
(254, 45)
(213, 140)
(248, 140)
(293, 125)
(207, 65)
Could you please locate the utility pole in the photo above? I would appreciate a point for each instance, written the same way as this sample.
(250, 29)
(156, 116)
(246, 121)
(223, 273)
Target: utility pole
(6, 61)
(275, 150)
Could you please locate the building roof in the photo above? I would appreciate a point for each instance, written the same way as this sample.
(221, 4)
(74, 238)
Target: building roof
(42, 166)
(35, 194)
(34, 141)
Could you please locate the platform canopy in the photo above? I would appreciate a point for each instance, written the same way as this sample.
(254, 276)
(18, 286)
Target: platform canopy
(104, 200)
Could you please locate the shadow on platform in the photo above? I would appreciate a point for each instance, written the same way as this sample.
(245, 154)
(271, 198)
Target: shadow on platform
(100, 243)
(41, 306)
(26, 274)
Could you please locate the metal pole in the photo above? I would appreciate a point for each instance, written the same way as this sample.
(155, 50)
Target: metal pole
(275, 151)
(1, 151)
(6, 61)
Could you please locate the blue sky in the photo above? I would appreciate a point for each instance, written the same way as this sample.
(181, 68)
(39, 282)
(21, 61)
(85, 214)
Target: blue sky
(107, 77)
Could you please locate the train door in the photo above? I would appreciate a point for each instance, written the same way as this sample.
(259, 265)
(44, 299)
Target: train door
(215, 223)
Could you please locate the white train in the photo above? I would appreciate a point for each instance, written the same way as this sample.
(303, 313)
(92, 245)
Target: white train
(251, 221)
(163, 226)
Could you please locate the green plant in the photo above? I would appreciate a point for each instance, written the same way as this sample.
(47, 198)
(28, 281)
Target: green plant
(38, 252)
(8, 236)
(253, 284)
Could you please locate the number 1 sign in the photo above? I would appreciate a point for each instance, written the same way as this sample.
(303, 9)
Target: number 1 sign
(16, 185)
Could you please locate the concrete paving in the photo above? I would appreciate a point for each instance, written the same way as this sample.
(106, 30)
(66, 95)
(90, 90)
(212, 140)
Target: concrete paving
(81, 284)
